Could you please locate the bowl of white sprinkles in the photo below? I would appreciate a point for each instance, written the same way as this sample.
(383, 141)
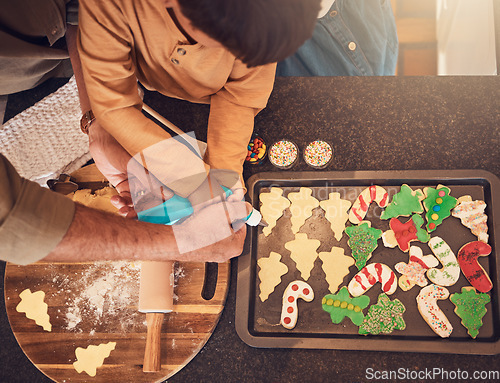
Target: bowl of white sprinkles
(283, 154)
(318, 154)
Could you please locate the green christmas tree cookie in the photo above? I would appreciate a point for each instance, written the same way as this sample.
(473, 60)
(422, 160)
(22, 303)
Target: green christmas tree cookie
(438, 204)
(405, 202)
(362, 241)
(383, 317)
(341, 305)
(470, 306)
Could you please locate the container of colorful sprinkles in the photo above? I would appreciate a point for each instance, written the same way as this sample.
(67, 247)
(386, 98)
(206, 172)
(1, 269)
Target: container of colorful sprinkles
(257, 151)
(283, 154)
(318, 154)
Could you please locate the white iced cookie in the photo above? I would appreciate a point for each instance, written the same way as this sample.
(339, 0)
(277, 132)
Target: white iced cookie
(430, 311)
(303, 253)
(449, 274)
(289, 311)
(35, 308)
(336, 267)
(371, 274)
(273, 205)
(271, 271)
(360, 207)
(92, 357)
(336, 212)
(471, 214)
(301, 208)
(413, 272)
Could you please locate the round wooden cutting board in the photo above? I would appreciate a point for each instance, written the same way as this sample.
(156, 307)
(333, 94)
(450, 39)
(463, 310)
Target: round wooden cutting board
(96, 303)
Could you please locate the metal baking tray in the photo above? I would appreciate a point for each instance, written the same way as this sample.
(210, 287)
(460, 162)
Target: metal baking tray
(257, 323)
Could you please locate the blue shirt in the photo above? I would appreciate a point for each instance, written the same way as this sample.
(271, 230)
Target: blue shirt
(355, 38)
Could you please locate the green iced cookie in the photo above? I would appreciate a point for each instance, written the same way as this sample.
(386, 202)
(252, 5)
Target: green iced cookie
(383, 317)
(341, 305)
(362, 241)
(438, 204)
(470, 307)
(405, 202)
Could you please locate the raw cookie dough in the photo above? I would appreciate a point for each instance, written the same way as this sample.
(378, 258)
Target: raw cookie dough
(404, 203)
(449, 274)
(92, 357)
(471, 214)
(413, 272)
(336, 267)
(341, 305)
(301, 208)
(470, 306)
(304, 253)
(430, 311)
(35, 308)
(273, 205)
(362, 203)
(290, 312)
(383, 317)
(362, 241)
(336, 212)
(271, 271)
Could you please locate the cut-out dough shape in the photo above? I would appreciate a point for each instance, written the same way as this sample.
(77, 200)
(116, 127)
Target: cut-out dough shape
(303, 253)
(413, 272)
(273, 205)
(438, 204)
(341, 305)
(401, 234)
(467, 259)
(471, 214)
(289, 311)
(470, 306)
(360, 207)
(362, 241)
(336, 267)
(271, 271)
(449, 274)
(404, 203)
(336, 212)
(430, 311)
(92, 357)
(371, 274)
(383, 317)
(301, 208)
(35, 308)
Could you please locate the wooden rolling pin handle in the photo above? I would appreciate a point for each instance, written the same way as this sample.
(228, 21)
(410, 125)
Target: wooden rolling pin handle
(152, 354)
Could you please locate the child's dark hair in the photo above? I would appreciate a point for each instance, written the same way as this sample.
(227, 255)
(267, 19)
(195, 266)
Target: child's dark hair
(258, 32)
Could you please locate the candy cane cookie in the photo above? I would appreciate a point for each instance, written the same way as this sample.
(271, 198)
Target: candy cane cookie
(289, 312)
(371, 274)
(360, 207)
(471, 214)
(467, 259)
(449, 274)
(430, 311)
(413, 272)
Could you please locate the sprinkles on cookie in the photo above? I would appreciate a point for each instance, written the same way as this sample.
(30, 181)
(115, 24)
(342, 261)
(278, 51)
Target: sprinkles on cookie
(283, 154)
(318, 154)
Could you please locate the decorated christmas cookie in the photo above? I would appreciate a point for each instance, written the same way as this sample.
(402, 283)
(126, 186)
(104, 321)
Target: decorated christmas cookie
(360, 207)
(341, 305)
(470, 306)
(301, 208)
(289, 311)
(449, 274)
(362, 241)
(468, 260)
(471, 213)
(271, 271)
(336, 213)
(371, 274)
(273, 205)
(336, 267)
(404, 203)
(430, 311)
(413, 272)
(438, 204)
(401, 234)
(304, 253)
(383, 317)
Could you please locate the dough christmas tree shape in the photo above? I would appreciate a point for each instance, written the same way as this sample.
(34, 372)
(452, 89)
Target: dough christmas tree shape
(35, 308)
(404, 203)
(92, 357)
(336, 267)
(271, 271)
(273, 206)
(303, 253)
(336, 212)
(301, 208)
(362, 241)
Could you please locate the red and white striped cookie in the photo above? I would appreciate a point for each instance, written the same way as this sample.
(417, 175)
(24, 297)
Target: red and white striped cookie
(360, 207)
(289, 312)
(430, 311)
(371, 274)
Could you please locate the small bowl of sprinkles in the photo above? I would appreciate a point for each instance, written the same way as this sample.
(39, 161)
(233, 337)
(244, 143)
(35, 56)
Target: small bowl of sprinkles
(257, 151)
(318, 154)
(283, 154)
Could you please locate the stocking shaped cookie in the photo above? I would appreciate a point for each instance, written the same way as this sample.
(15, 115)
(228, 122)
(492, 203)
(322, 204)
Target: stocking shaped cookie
(271, 271)
(404, 203)
(413, 272)
(336, 267)
(273, 205)
(471, 214)
(449, 274)
(301, 208)
(336, 213)
(304, 253)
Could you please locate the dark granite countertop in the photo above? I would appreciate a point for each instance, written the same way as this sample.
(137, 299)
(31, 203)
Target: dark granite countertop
(373, 123)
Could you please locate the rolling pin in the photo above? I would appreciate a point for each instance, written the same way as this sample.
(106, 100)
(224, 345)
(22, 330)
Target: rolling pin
(156, 293)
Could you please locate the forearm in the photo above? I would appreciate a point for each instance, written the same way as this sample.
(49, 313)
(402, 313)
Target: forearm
(71, 34)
